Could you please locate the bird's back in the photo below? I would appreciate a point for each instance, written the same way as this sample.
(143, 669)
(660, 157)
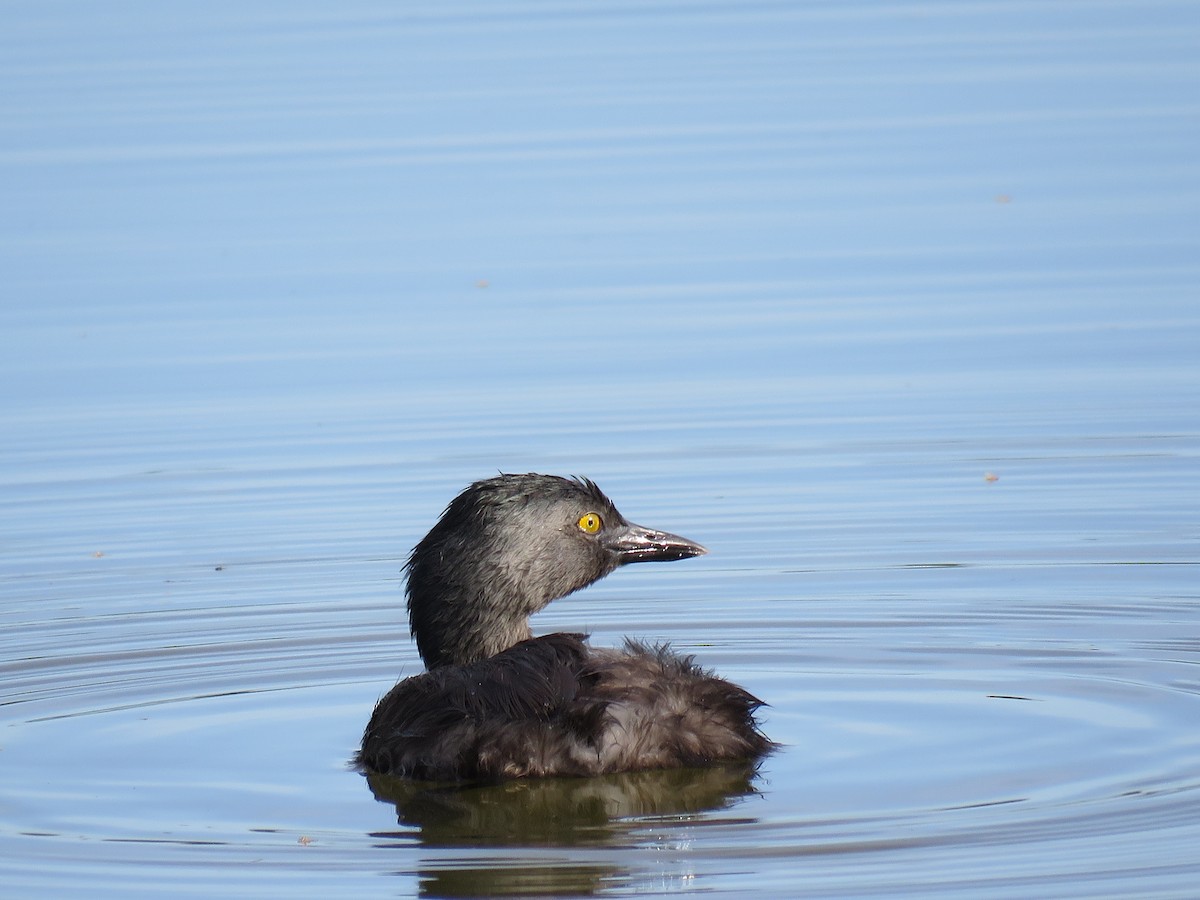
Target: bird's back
(554, 706)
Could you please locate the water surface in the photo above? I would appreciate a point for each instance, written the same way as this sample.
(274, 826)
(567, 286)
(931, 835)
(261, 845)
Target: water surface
(892, 307)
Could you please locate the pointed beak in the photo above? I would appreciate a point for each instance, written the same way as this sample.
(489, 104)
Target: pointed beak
(633, 543)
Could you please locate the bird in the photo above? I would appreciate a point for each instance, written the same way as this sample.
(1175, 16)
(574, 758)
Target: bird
(495, 702)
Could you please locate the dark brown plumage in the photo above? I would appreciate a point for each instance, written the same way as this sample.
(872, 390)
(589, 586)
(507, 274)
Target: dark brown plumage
(497, 702)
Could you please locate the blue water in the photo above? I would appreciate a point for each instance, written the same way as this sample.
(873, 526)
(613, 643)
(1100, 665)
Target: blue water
(892, 307)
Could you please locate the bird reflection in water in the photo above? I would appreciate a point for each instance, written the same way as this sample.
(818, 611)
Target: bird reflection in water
(622, 811)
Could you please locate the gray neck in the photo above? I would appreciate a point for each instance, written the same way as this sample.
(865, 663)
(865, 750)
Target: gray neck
(455, 633)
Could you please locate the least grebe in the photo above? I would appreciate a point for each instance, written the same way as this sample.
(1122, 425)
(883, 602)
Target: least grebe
(497, 702)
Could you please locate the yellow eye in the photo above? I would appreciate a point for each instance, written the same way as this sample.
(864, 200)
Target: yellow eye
(590, 523)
